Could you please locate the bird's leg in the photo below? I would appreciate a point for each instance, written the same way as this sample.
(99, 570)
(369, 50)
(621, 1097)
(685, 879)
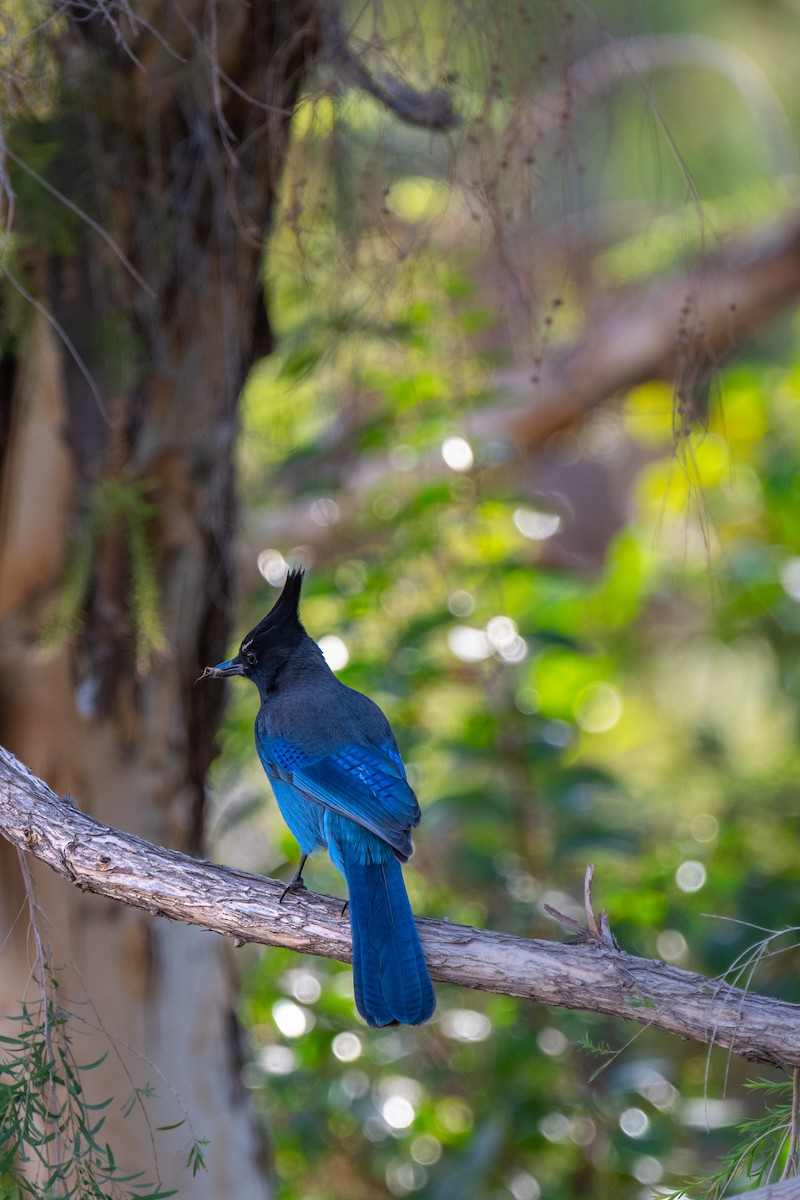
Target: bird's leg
(344, 908)
(295, 884)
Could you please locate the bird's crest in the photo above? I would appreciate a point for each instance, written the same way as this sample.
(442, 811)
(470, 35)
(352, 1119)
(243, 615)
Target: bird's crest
(285, 610)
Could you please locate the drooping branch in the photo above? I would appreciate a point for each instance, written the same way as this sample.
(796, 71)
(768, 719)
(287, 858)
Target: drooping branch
(679, 327)
(593, 976)
(428, 110)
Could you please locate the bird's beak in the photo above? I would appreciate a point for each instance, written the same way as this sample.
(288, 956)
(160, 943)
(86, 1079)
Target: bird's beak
(233, 666)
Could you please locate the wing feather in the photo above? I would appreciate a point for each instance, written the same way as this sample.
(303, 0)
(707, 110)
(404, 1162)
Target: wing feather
(367, 784)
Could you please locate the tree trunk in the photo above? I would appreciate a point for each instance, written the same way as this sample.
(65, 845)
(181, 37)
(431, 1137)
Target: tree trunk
(117, 464)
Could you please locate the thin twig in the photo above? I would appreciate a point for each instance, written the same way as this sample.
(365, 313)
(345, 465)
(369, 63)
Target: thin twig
(591, 921)
(65, 339)
(84, 216)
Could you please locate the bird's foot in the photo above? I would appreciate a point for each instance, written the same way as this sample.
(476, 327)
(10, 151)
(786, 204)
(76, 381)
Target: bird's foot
(294, 886)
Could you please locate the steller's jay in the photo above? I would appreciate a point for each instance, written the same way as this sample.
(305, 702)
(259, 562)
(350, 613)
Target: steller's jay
(337, 775)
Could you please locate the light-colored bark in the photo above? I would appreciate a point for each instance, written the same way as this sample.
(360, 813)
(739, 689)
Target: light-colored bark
(593, 975)
(785, 1189)
(162, 995)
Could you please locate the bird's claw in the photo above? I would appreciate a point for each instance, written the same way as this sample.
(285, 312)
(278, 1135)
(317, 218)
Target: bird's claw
(294, 885)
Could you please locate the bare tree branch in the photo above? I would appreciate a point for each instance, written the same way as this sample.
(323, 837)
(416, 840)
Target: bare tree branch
(787, 1189)
(593, 975)
(429, 110)
(681, 327)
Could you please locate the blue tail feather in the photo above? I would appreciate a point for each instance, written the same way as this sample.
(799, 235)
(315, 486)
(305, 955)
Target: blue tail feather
(389, 973)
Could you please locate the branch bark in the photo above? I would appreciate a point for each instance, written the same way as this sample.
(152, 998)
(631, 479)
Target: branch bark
(786, 1189)
(592, 976)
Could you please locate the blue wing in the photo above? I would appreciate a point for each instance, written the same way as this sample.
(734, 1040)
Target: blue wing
(367, 784)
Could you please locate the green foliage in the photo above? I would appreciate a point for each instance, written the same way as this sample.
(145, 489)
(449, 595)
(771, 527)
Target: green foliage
(26, 60)
(116, 507)
(763, 1147)
(51, 1142)
(635, 705)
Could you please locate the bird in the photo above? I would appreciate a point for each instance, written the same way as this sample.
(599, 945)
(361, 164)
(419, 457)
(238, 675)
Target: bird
(340, 784)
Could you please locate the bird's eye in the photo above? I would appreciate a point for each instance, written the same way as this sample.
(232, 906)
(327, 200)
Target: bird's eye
(251, 657)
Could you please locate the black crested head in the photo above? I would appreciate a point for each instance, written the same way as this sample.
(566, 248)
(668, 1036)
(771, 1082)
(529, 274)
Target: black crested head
(276, 639)
(282, 618)
(279, 630)
(278, 648)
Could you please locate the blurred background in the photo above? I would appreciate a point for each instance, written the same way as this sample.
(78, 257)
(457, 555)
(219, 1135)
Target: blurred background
(527, 408)
(585, 634)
